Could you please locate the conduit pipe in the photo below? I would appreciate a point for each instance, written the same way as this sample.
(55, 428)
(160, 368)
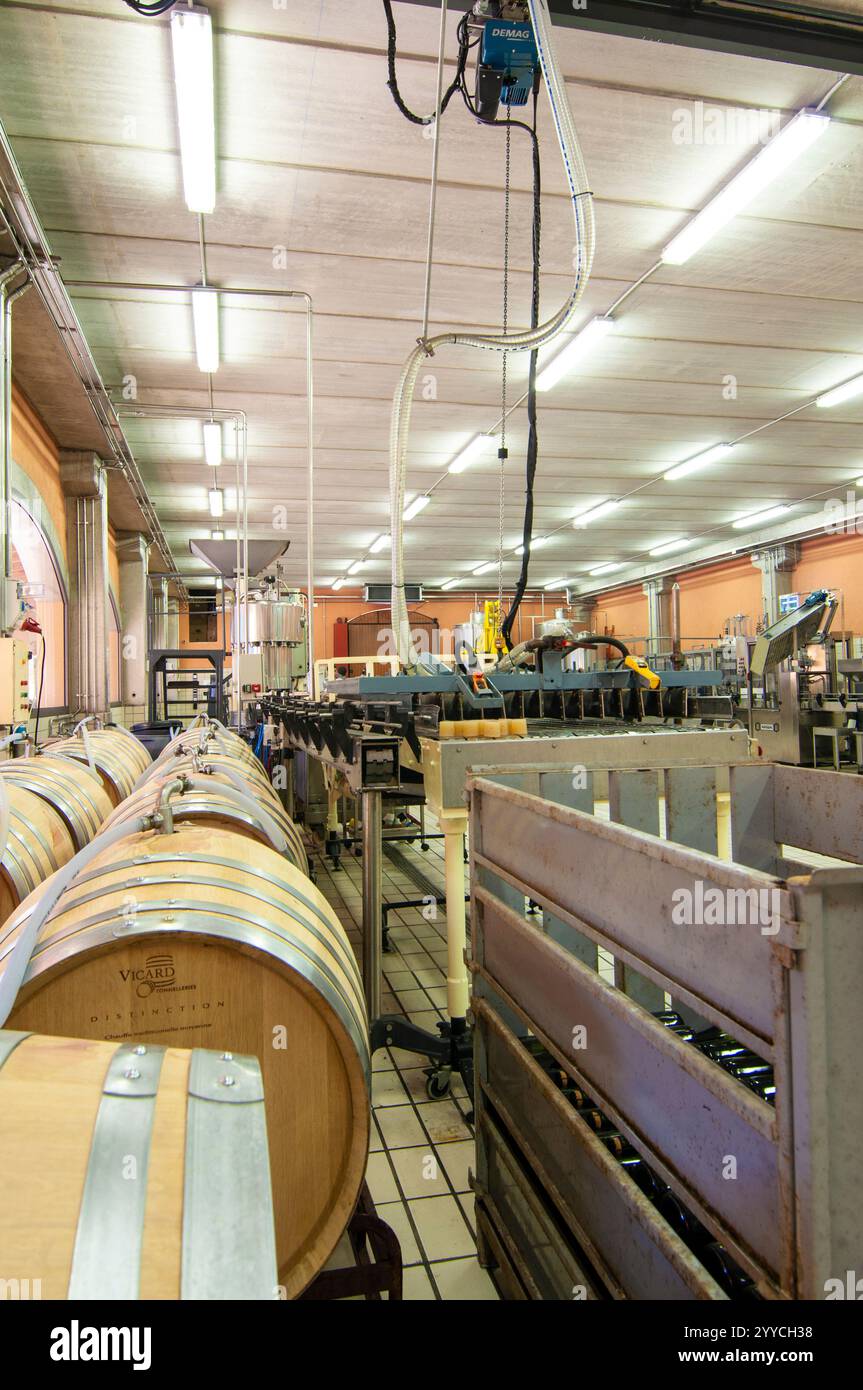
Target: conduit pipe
(582, 207)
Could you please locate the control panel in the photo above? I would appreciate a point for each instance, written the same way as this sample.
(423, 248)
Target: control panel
(14, 681)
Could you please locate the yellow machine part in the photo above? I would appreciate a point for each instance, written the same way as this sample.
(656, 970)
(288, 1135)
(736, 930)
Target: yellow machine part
(641, 668)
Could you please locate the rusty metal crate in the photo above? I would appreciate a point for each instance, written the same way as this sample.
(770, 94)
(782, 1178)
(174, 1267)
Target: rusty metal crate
(788, 987)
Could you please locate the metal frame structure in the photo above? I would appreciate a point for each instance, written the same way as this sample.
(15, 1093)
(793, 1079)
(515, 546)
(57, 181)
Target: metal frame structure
(786, 33)
(787, 987)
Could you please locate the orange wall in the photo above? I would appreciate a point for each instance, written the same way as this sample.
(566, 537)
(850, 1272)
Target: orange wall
(835, 562)
(713, 593)
(448, 612)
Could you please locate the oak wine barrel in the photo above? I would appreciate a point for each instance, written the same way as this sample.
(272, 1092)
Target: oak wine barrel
(132, 1171)
(216, 804)
(37, 842)
(203, 937)
(74, 793)
(117, 756)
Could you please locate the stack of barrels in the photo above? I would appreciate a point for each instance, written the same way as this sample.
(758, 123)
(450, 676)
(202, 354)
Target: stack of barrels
(194, 923)
(55, 809)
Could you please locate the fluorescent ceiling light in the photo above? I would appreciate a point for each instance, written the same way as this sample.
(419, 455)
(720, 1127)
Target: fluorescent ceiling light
(216, 499)
(337, 583)
(859, 482)
(415, 507)
(484, 568)
(555, 584)
(380, 544)
(450, 583)
(756, 518)
(217, 535)
(594, 513)
(213, 442)
(205, 315)
(712, 455)
(574, 350)
(468, 453)
(757, 175)
(357, 565)
(607, 568)
(535, 543)
(192, 42)
(668, 546)
(845, 392)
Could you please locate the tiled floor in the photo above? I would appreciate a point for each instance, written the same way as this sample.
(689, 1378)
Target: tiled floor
(421, 1149)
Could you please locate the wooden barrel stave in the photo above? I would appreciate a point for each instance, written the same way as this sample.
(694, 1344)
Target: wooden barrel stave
(53, 1152)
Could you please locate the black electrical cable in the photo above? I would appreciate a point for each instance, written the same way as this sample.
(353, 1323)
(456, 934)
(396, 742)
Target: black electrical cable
(151, 11)
(532, 437)
(392, 80)
(39, 696)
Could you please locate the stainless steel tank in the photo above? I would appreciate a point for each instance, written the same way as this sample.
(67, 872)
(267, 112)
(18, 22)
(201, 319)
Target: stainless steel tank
(276, 628)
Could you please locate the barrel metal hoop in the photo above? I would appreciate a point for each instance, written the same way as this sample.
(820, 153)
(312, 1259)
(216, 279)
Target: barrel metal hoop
(40, 841)
(169, 857)
(99, 932)
(106, 1261)
(227, 1175)
(9, 1040)
(348, 961)
(187, 808)
(129, 925)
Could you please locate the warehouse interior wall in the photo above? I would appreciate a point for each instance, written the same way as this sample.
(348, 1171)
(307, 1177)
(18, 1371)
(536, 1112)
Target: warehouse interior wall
(711, 594)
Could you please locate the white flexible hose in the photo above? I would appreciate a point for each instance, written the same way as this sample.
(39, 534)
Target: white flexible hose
(19, 957)
(582, 207)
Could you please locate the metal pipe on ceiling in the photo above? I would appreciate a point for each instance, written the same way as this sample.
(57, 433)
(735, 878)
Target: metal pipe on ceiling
(21, 221)
(251, 292)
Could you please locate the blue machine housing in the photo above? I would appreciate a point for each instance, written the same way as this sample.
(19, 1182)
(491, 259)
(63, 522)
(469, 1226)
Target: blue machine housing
(507, 64)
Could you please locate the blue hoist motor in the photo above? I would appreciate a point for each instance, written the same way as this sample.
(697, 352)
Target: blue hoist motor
(507, 60)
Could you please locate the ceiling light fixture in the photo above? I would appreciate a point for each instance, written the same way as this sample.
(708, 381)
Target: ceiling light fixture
(756, 518)
(192, 43)
(416, 506)
(668, 546)
(594, 513)
(607, 567)
(205, 317)
(555, 584)
(761, 171)
(592, 332)
(213, 443)
(468, 453)
(536, 542)
(217, 535)
(707, 456)
(845, 392)
(356, 566)
(380, 544)
(337, 583)
(450, 583)
(216, 499)
(484, 568)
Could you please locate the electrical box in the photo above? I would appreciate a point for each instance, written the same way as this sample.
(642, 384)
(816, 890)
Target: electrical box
(14, 681)
(249, 673)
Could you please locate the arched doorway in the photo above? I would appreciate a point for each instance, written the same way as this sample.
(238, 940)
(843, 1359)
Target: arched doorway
(35, 568)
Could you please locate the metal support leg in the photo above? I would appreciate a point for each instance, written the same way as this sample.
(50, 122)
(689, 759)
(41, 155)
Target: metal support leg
(372, 902)
(454, 828)
(290, 795)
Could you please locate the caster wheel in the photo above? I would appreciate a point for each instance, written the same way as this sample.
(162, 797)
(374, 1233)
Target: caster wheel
(425, 847)
(437, 1085)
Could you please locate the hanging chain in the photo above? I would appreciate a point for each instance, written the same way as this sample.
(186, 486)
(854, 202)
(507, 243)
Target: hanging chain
(502, 451)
